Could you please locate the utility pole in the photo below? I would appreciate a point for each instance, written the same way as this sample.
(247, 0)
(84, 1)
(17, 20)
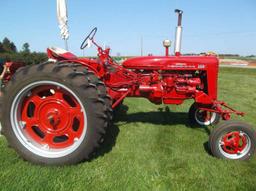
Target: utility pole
(141, 45)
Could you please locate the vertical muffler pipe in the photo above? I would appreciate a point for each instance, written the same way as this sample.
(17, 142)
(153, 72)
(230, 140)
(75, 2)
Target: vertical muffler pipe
(178, 37)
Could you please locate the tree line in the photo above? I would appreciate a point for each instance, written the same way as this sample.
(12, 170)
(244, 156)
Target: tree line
(9, 52)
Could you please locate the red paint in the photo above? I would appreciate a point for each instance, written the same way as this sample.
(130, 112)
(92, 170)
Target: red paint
(160, 79)
(55, 116)
(177, 54)
(63, 55)
(166, 51)
(234, 142)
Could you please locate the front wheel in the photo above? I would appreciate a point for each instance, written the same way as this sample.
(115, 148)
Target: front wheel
(202, 117)
(233, 140)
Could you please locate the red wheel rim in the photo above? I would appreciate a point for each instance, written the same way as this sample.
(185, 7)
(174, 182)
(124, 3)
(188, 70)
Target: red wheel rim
(234, 142)
(51, 116)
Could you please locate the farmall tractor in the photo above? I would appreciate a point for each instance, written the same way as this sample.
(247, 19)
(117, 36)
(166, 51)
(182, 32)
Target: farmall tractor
(57, 112)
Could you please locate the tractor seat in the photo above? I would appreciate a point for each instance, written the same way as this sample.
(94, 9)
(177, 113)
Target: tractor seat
(60, 54)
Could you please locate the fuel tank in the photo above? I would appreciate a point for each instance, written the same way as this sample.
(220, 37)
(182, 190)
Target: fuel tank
(171, 62)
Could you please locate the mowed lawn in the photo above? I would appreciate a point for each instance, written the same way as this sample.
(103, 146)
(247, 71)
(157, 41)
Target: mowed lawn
(149, 147)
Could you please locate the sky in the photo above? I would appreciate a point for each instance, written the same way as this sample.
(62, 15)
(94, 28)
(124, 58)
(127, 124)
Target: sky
(222, 26)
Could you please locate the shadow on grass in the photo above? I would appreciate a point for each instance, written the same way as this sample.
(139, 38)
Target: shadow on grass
(108, 143)
(161, 117)
(207, 148)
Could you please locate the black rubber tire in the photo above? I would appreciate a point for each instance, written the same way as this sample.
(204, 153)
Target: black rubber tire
(87, 92)
(192, 112)
(229, 126)
(91, 77)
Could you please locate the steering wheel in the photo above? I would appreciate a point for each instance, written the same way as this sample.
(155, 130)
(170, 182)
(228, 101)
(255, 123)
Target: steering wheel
(90, 37)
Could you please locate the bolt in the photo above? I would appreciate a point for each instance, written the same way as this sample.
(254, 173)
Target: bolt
(76, 139)
(23, 124)
(29, 94)
(52, 91)
(241, 133)
(46, 146)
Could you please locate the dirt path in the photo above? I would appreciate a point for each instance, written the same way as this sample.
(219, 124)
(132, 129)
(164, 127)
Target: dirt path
(237, 63)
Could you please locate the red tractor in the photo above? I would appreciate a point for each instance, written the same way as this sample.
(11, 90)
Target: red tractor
(57, 112)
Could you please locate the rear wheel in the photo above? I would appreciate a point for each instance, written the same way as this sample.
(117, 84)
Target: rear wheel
(91, 77)
(233, 140)
(202, 117)
(53, 115)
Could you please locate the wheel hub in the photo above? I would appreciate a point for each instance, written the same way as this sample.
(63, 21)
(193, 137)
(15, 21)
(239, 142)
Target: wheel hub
(234, 142)
(53, 117)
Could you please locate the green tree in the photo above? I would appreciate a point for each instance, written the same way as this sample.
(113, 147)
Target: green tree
(1, 48)
(25, 48)
(8, 46)
(13, 47)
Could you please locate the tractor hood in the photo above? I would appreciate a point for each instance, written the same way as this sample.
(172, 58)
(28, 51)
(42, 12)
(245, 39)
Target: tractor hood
(167, 62)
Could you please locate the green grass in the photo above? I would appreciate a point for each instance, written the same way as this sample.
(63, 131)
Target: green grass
(149, 148)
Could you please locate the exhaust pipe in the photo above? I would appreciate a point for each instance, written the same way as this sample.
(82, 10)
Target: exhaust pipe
(178, 37)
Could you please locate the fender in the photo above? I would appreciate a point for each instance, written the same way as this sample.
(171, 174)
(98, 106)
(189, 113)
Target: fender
(91, 65)
(61, 55)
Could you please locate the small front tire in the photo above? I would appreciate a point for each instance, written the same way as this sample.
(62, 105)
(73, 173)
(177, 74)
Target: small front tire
(233, 140)
(201, 117)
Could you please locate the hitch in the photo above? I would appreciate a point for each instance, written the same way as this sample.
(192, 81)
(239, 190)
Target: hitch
(218, 107)
(226, 114)
(120, 99)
